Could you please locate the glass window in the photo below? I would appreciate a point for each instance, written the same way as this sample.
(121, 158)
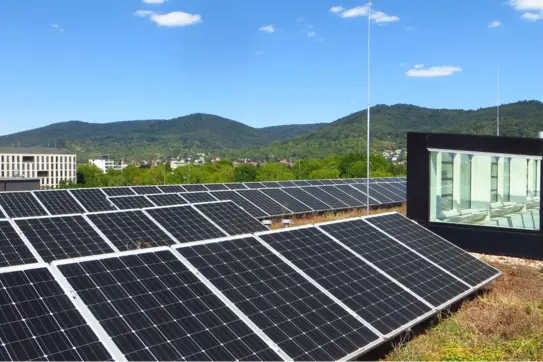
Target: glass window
(487, 190)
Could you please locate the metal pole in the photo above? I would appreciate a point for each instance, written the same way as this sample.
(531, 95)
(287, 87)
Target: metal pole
(368, 170)
(498, 101)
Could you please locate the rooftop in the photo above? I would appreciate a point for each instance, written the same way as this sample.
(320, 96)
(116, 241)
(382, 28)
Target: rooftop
(34, 150)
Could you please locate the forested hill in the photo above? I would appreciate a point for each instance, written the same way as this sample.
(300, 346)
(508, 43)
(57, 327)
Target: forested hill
(153, 138)
(389, 125)
(203, 132)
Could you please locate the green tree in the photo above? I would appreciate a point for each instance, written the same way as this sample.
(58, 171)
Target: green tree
(91, 175)
(245, 173)
(325, 173)
(274, 171)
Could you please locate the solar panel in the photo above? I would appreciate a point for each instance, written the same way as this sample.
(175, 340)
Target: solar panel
(384, 190)
(171, 188)
(363, 188)
(397, 189)
(287, 201)
(326, 182)
(301, 183)
(315, 182)
(13, 250)
(354, 193)
(194, 187)
(443, 253)
(267, 204)
(423, 278)
(93, 199)
(131, 202)
(342, 196)
(39, 322)
(129, 230)
(325, 197)
(195, 197)
(254, 185)
(215, 187)
(286, 183)
(372, 295)
(63, 237)
(309, 200)
(301, 319)
(20, 204)
(185, 223)
(155, 309)
(241, 202)
(146, 190)
(270, 184)
(167, 199)
(59, 202)
(236, 186)
(231, 218)
(338, 182)
(118, 191)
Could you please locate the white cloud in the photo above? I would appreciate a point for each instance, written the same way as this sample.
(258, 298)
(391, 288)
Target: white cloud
(173, 19)
(267, 29)
(154, 1)
(311, 34)
(378, 17)
(336, 9)
(495, 24)
(532, 16)
(533, 9)
(58, 27)
(438, 71)
(418, 66)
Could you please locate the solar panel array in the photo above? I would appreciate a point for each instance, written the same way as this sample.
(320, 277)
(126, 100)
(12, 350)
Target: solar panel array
(260, 199)
(208, 282)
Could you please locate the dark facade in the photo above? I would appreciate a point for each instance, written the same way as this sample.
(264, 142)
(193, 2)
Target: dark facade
(429, 202)
(19, 184)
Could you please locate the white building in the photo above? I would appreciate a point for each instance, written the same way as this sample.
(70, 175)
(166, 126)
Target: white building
(50, 165)
(177, 163)
(105, 163)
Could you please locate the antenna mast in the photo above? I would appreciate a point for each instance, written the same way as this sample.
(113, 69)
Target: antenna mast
(498, 100)
(368, 167)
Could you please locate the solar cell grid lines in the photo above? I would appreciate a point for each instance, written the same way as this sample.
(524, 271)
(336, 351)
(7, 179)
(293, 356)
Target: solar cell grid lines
(315, 182)
(308, 199)
(288, 201)
(59, 202)
(385, 191)
(241, 202)
(356, 194)
(93, 199)
(20, 204)
(194, 187)
(195, 197)
(118, 191)
(236, 186)
(423, 278)
(342, 196)
(271, 184)
(375, 198)
(62, 237)
(154, 308)
(171, 188)
(303, 321)
(185, 223)
(441, 252)
(267, 204)
(301, 183)
(129, 230)
(325, 197)
(254, 185)
(39, 322)
(231, 218)
(13, 250)
(167, 199)
(369, 293)
(146, 190)
(131, 202)
(215, 187)
(286, 183)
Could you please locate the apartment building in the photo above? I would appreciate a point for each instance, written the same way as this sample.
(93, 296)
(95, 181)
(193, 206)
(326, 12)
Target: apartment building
(106, 162)
(50, 165)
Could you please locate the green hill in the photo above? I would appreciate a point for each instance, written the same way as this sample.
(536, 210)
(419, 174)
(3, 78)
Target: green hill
(390, 124)
(203, 132)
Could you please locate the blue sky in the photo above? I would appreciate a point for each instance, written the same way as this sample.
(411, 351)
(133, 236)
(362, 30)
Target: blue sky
(261, 62)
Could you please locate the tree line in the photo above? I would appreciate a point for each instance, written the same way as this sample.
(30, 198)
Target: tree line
(350, 165)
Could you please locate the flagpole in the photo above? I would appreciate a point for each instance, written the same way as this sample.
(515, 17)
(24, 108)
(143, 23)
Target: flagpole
(498, 100)
(368, 170)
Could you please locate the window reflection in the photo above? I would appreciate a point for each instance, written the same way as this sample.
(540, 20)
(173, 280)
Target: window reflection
(489, 190)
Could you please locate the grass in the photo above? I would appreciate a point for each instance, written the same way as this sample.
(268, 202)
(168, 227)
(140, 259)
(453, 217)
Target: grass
(505, 322)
